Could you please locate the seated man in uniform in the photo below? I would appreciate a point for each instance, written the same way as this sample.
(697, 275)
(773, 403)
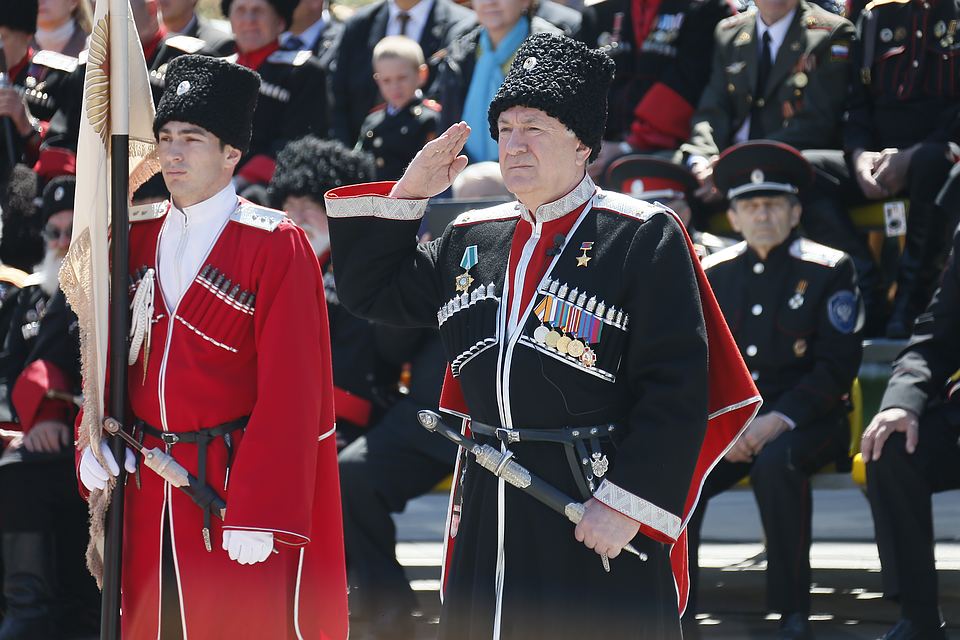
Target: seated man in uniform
(911, 450)
(795, 312)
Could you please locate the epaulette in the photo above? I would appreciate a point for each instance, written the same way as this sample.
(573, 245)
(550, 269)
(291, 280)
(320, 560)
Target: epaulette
(82, 57)
(149, 211)
(258, 217)
(55, 60)
(433, 105)
(13, 276)
(293, 58)
(735, 20)
(232, 58)
(877, 3)
(823, 21)
(35, 279)
(504, 211)
(724, 255)
(810, 251)
(185, 43)
(593, 3)
(627, 206)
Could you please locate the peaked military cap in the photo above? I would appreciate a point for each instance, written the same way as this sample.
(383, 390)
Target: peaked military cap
(212, 93)
(761, 168)
(651, 179)
(563, 78)
(58, 196)
(284, 8)
(19, 15)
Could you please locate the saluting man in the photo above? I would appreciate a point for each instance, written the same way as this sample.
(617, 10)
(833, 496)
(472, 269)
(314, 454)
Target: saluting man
(233, 376)
(545, 312)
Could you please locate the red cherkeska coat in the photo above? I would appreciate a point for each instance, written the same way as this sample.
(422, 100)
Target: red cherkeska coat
(212, 360)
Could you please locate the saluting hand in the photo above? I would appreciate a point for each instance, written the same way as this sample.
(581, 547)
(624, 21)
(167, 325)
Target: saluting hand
(883, 424)
(436, 166)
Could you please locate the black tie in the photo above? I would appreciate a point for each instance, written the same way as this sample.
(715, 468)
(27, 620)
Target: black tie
(404, 18)
(763, 72)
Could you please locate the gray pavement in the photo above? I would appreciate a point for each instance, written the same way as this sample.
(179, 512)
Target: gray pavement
(847, 602)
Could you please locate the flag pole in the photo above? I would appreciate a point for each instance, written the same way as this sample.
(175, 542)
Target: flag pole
(119, 311)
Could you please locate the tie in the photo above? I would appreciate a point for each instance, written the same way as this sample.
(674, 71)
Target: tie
(763, 72)
(404, 19)
(294, 43)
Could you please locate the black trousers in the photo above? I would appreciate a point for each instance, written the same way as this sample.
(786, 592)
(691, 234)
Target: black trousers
(397, 460)
(900, 486)
(780, 478)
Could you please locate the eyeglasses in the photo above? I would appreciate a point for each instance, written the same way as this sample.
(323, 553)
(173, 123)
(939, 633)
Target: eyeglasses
(52, 233)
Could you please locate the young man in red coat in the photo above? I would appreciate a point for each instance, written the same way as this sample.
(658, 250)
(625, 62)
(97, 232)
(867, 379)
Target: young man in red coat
(235, 354)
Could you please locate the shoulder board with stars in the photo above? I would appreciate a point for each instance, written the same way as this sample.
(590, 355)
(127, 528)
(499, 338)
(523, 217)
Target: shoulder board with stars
(55, 60)
(185, 43)
(735, 20)
(293, 58)
(259, 217)
(151, 211)
(503, 211)
(810, 251)
(627, 206)
(724, 255)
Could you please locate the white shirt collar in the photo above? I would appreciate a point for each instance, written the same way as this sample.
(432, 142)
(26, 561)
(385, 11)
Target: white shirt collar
(418, 18)
(217, 207)
(778, 32)
(311, 34)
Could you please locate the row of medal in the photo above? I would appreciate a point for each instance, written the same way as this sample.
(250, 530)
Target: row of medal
(468, 324)
(572, 324)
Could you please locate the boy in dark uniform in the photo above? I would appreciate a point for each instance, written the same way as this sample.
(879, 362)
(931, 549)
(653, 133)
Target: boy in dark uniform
(396, 129)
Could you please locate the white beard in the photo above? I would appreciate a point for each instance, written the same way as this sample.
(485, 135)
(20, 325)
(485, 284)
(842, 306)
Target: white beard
(50, 269)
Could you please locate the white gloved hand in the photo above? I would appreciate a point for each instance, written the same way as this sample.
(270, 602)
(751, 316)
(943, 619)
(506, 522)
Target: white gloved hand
(248, 547)
(93, 476)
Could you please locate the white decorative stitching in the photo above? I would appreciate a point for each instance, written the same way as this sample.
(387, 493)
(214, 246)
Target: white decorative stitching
(637, 508)
(205, 336)
(559, 208)
(606, 376)
(377, 207)
(209, 286)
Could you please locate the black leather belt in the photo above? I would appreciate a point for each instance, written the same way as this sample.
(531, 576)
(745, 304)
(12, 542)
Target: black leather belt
(586, 466)
(202, 438)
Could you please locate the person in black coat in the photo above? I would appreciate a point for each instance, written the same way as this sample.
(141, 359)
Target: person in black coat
(911, 450)
(315, 29)
(431, 24)
(180, 17)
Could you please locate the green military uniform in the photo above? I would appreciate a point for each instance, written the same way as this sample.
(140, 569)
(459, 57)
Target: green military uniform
(805, 92)
(394, 138)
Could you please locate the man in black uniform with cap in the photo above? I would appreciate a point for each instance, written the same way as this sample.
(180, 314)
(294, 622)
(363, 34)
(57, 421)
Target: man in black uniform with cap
(48, 591)
(293, 90)
(911, 450)
(795, 312)
(180, 17)
(544, 312)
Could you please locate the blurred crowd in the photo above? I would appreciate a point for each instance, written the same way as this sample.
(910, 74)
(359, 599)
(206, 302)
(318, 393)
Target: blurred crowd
(858, 106)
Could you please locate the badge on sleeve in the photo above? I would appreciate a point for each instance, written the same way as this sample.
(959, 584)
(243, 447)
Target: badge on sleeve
(842, 311)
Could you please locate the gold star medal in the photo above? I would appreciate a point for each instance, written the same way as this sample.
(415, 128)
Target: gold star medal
(469, 260)
(583, 259)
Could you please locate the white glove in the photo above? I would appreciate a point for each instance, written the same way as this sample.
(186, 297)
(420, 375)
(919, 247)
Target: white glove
(248, 547)
(93, 476)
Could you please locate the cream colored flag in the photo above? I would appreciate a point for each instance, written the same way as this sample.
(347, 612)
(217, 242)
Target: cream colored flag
(116, 101)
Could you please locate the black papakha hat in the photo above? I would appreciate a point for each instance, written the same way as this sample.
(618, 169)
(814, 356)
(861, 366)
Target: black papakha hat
(761, 168)
(284, 8)
(19, 15)
(211, 93)
(309, 167)
(58, 196)
(563, 78)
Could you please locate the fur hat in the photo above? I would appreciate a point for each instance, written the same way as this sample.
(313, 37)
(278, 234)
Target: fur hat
(284, 8)
(563, 78)
(58, 196)
(212, 93)
(310, 167)
(19, 15)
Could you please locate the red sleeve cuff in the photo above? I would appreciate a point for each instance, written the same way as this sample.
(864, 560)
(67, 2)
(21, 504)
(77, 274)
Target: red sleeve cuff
(661, 119)
(30, 393)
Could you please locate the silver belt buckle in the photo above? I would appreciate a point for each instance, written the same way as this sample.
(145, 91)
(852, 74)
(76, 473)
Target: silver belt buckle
(507, 435)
